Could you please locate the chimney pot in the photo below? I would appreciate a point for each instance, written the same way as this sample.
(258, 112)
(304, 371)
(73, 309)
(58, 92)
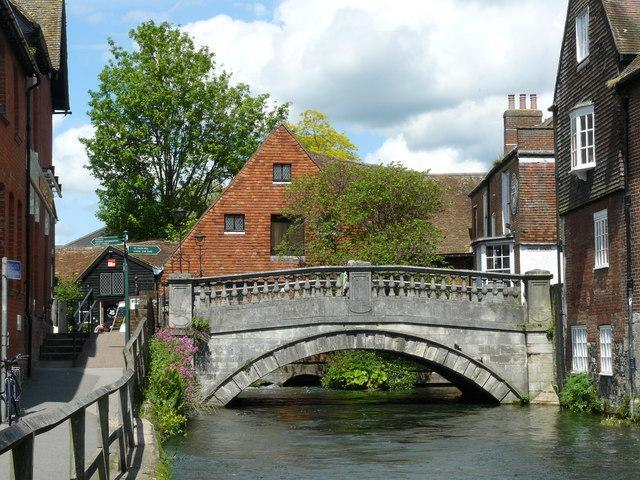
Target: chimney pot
(534, 101)
(512, 101)
(523, 101)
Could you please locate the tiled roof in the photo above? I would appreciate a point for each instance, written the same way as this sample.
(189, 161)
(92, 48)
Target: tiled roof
(72, 262)
(624, 19)
(85, 240)
(632, 71)
(455, 219)
(49, 14)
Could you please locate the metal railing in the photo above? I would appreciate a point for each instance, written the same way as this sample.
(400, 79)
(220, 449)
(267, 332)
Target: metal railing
(19, 439)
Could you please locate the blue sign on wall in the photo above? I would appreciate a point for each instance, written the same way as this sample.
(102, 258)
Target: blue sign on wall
(14, 270)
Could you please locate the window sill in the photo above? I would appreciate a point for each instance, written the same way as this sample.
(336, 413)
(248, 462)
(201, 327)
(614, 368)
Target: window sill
(581, 172)
(583, 63)
(281, 183)
(601, 267)
(234, 233)
(287, 258)
(576, 372)
(610, 374)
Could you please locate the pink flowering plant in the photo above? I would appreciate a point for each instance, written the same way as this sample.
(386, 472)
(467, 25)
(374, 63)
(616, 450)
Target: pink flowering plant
(170, 392)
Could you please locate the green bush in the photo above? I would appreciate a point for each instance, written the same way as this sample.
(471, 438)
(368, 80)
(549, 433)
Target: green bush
(581, 395)
(200, 324)
(368, 370)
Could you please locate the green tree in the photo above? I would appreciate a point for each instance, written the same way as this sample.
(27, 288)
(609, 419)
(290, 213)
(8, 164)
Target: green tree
(316, 134)
(170, 129)
(380, 214)
(68, 291)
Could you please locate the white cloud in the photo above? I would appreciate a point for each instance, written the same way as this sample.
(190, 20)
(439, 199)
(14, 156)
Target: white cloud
(438, 160)
(70, 157)
(433, 73)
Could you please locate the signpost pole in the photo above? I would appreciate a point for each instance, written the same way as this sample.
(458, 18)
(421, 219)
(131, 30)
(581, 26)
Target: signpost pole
(3, 352)
(127, 312)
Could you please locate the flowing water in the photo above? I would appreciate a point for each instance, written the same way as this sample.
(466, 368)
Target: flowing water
(311, 433)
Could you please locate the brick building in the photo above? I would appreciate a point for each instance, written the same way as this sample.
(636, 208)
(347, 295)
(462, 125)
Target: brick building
(513, 208)
(239, 231)
(33, 87)
(597, 118)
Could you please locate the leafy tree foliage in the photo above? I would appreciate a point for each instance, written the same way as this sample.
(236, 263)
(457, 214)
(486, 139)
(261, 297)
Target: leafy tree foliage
(316, 134)
(170, 129)
(380, 214)
(68, 291)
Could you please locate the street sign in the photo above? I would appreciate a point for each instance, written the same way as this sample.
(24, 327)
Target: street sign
(111, 262)
(103, 241)
(143, 249)
(14, 270)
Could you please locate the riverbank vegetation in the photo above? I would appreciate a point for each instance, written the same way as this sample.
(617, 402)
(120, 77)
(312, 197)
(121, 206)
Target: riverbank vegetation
(581, 395)
(368, 370)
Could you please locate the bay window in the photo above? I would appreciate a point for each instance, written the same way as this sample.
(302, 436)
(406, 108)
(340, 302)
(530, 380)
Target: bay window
(583, 152)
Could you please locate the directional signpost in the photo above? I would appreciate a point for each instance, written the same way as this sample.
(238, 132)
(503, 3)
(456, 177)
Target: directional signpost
(105, 241)
(143, 249)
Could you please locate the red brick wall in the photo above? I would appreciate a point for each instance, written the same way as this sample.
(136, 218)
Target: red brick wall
(535, 221)
(253, 194)
(596, 297)
(634, 185)
(12, 177)
(536, 139)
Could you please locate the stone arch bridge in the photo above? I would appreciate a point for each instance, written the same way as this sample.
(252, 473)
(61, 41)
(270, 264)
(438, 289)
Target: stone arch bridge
(486, 333)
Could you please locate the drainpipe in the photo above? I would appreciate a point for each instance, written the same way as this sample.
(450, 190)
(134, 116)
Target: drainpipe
(629, 252)
(27, 260)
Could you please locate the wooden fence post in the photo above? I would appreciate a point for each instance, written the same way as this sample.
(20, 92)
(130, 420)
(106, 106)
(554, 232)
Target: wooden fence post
(22, 460)
(103, 436)
(127, 431)
(76, 445)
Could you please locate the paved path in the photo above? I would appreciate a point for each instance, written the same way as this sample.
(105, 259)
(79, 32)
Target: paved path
(52, 387)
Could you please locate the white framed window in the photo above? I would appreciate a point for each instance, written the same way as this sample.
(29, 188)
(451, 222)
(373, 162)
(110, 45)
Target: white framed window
(601, 239)
(485, 213)
(493, 224)
(606, 356)
(506, 202)
(583, 150)
(582, 35)
(579, 349)
(498, 258)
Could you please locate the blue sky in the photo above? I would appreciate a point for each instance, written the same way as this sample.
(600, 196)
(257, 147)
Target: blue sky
(420, 82)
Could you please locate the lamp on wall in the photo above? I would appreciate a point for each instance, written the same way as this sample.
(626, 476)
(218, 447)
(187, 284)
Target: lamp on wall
(200, 240)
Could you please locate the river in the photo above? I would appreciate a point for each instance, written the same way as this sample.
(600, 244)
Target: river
(311, 433)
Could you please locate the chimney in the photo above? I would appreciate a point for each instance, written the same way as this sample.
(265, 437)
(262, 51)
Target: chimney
(515, 119)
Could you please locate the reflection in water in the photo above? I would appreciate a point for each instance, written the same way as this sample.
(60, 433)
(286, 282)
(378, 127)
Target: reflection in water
(310, 433)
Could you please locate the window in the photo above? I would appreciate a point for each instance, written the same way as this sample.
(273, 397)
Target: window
(493, 224)
(506, 202)
(499, 258)
(601, 239)
(579, 347)
(606, 357)
(234, 223)
(286, 234)
(111, 284)
(583, 151)
(582, 35)
(474, 232)
(282, 172)
(485, 213)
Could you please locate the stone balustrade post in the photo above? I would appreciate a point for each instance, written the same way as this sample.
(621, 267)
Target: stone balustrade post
(359, 288)
(539, 340)
(180, 301)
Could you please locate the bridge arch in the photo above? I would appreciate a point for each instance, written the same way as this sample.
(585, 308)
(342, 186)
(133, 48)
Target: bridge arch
(460, 369)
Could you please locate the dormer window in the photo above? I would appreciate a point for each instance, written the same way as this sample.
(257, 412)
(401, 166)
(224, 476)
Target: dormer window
(582, 35)
(583, 151)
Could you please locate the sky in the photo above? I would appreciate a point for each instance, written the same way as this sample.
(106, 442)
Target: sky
(423, 83)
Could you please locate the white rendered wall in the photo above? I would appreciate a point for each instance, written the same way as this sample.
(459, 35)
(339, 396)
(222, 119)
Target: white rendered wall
(539, 257)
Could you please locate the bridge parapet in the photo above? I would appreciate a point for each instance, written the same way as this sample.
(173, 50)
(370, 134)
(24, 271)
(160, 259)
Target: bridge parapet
(356, 283)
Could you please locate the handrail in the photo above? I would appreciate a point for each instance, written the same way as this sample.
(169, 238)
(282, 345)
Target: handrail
(86, 297)
(361, 268)
(19, 438)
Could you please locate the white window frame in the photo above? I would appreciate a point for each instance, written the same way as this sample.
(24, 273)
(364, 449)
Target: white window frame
(493, 224)
(606, 352)
(506, 202)
(485, 258)
(583, 145)
(601, 239)
(579, 349)
(582, 35)
(485, 213)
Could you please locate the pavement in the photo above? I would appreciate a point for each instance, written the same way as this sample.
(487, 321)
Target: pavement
(52, 385)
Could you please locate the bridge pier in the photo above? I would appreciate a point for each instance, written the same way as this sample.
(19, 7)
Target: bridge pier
(482, 331)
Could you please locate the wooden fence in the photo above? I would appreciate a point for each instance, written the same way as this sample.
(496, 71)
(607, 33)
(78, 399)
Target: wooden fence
(19, 439)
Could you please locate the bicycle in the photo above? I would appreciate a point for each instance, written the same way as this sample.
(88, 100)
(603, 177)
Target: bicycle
(12, 391)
